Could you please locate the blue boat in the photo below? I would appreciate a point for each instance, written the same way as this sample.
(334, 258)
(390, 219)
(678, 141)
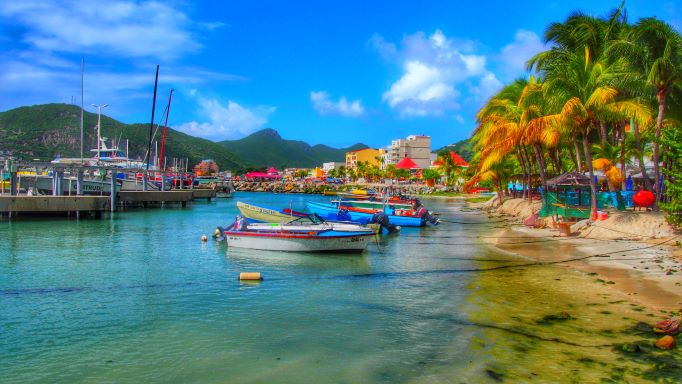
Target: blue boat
(358, 214)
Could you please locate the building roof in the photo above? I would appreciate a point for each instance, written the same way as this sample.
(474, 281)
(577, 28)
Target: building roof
(569, 179)
(407, 163)
(457, 159)
(362, 149)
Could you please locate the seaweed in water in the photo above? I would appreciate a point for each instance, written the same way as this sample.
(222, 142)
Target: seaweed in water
(494, 374)
(555, 318)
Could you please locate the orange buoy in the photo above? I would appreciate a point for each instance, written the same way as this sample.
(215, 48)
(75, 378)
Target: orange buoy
(250, 276)
(204, 238)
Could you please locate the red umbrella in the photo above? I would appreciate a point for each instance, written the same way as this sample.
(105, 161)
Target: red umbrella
(457, 159)
(407, 163)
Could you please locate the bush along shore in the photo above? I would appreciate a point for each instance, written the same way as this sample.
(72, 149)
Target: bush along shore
(320, 188)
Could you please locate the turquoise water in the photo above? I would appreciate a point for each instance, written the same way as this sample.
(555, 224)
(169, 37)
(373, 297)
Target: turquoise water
(137, 297)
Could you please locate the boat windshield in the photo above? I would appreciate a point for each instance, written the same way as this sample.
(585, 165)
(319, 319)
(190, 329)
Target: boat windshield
(312, 218)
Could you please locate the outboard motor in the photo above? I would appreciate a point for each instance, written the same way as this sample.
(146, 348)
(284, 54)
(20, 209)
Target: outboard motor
(382, 219)
(428, 217)
(219, 233)
(240, 224)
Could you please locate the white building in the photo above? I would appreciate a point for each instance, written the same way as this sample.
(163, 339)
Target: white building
(416, 147)
(332, 165)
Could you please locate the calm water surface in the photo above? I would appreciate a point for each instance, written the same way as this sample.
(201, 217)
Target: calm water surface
(137, 297)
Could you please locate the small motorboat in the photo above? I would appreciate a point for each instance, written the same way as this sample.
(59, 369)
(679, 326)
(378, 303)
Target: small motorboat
(403, 218)
(243, 235)
(313, 223)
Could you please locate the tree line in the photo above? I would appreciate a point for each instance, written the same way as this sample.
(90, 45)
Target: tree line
(605, 95)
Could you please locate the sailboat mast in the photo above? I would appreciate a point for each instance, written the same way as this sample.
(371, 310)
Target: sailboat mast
(151, 125)
(163, 137)
(82, 80)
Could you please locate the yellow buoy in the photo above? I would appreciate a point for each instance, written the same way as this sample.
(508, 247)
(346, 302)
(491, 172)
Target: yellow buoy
(250, 276)
(204, 238)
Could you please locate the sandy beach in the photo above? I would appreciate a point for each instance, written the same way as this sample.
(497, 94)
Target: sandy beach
(635, 254)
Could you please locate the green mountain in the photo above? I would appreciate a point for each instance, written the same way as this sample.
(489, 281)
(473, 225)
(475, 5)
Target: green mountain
(43, 131)
(267, 148)
(462, 148)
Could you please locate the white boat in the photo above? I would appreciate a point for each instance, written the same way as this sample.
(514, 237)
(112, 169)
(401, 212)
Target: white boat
(311, 223)
(43, 184)
(103, 156)
(240, 235)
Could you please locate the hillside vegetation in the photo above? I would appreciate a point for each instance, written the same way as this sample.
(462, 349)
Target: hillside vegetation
(267, 148)
(43, 131)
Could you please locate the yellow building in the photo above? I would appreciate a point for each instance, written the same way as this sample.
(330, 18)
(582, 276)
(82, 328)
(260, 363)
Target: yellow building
(368, 155)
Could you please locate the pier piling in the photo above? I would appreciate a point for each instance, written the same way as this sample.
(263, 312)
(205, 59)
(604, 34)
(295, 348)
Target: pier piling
(113, 193)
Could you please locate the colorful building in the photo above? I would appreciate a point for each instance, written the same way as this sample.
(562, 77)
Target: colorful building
(416, 147)
(368, 155)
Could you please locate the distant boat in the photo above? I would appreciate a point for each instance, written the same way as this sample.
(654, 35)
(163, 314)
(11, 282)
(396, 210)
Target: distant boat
(241, 235)
(103, 156)
(43, 184)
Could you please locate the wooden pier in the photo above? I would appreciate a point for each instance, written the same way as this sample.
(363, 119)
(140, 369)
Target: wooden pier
(67, 196)
(204, 193)
(145, 198)
(13, 205)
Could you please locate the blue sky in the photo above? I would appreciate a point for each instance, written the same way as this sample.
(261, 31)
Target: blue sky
(326, 72)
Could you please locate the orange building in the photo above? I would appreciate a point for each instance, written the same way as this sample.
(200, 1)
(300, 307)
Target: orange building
(368, 155)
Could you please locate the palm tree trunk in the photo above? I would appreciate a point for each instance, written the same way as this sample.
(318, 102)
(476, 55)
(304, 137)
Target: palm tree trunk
(524, 171)
(552, 158)
(602, 133)
(622, 155)
(499, 188)
(560, 166)
(531, 170)
(542, 167)
(640, 159)
(661, 96)
(578, 163)
(590, 169)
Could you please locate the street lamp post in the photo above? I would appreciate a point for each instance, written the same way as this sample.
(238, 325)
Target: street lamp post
(99, 122)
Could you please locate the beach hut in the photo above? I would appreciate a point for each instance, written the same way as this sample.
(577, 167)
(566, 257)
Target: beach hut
(568, 196)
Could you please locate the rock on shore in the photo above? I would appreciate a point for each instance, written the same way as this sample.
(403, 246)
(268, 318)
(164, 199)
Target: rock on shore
(318, 188)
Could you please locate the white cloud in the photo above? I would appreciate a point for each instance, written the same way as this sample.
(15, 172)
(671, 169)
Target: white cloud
(487, 86)
(515, 55)
(122, 28)
(386, 50)
(324, 106)
(226, 121)
(433, 68)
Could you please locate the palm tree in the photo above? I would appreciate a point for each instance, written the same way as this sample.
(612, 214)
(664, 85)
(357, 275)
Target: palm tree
(585, 89)
(662, 46)
(391, 171)
(342, 171)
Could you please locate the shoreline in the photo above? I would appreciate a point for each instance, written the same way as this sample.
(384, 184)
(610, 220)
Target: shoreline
(643, 266)
(320, 188)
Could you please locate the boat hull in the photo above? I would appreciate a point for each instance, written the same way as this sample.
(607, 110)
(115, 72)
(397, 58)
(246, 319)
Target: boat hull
(263, 215)
(374, 204)
(43, 184)
(324, 210)
(298, 242)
